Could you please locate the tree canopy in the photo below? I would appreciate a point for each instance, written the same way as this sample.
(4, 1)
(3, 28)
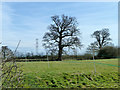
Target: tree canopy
(63, 33)
(108, 52)
(102, 37)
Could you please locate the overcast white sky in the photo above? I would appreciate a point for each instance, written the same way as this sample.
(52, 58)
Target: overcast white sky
(27, 21)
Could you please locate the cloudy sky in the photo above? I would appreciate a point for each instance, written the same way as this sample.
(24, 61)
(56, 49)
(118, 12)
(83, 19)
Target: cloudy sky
(27, 21)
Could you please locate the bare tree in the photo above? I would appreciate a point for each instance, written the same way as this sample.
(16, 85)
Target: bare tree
(63, 34)
(92, 49)
(6, 52)
(102, 37)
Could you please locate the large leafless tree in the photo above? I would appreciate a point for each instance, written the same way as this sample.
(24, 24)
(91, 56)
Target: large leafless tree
(63, 33)
(102, 37)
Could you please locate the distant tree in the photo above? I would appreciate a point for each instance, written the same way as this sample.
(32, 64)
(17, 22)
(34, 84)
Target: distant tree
(6, 52)
(92, 49)
(52, 52)
(51, 48)
(102, 37)
(63, 33)
(108, 52)
(87, 56)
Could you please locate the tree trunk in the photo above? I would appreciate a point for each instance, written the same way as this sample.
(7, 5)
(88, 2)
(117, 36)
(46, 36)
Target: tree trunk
(60, 54)
(60, 50)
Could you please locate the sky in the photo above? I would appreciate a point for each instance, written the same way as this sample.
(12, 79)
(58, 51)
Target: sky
(27, 21)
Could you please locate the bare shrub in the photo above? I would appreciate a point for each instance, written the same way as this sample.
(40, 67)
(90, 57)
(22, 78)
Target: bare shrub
(11, 74)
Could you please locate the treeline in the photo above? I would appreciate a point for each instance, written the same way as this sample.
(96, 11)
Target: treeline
(64, 57)
(106, 52)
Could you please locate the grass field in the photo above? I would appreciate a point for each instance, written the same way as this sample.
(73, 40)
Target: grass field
(69, 66)
(67, 73)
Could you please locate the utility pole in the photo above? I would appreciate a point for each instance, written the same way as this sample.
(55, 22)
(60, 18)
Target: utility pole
(47, 59)
(94, 58)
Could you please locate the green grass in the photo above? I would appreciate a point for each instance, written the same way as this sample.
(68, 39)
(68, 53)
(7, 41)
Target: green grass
(58, 67)
(71, 74)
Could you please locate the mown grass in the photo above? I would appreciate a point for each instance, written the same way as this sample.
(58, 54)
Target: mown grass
(84, 66)
(71, 74)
